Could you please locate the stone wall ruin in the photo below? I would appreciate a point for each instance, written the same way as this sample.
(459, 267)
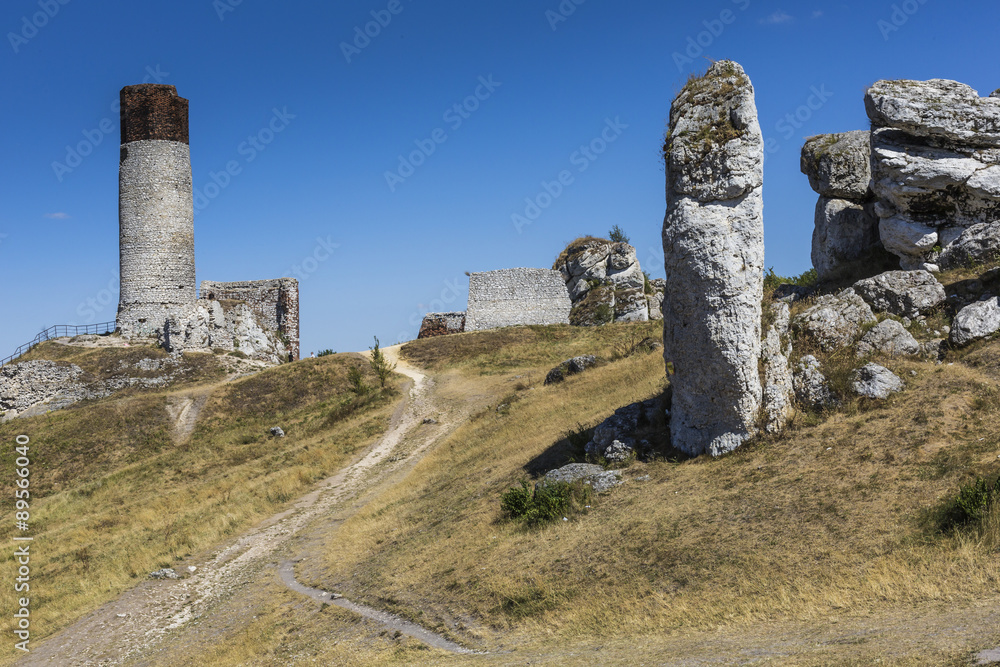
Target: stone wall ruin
(276, 303)
(510, 297)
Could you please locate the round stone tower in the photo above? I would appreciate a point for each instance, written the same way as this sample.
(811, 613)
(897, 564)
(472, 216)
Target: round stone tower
(155, 209)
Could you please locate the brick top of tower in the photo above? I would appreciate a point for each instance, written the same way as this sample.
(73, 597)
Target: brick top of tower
(153, 111)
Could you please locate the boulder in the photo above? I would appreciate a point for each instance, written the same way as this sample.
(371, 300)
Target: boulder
(975, 321)
(835, 320)
(811, 387)
(778, 389)
(845, 236)
(631, 305)
(838, 165)
(614, 438)
(277, 432)
(570, 367)
(902, 293)
(713, 247)
(654, 304)
(874, 381)
(890, 338)
(599, 479)
(978, 244)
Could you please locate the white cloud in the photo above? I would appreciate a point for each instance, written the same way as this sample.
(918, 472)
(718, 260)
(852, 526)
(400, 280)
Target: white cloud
(57, 216)
(776, 18)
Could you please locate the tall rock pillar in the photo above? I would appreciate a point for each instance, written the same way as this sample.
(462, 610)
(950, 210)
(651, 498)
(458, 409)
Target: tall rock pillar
(155, 209)
(713, 244)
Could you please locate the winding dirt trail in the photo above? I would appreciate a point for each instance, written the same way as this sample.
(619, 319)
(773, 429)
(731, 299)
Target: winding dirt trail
(136, 623)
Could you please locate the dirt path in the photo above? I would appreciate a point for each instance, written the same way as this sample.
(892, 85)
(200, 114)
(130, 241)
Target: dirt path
(135, 623)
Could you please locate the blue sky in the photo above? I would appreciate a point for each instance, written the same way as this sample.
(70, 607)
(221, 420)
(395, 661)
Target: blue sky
(542, 87)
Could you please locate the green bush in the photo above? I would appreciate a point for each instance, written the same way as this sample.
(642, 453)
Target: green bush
(325, 353)
(772, 280)
(549, 502)
(603, 313)
(618, 235)
(357, 380)
(970, 505)
(380, 364)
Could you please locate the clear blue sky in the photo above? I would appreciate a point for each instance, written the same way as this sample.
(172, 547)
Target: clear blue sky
(320, 182)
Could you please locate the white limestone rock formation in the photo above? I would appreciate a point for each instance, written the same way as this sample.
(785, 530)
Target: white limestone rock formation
(606, 283)
(935, 165)
(209, 324)
(902, 293)
(46, 384)
(874, 381)
(713, 245)
(778, 391)
(890, 338)
(977, 244)
(845, 236)
(835, 320)
(811, 387)
(975, 321)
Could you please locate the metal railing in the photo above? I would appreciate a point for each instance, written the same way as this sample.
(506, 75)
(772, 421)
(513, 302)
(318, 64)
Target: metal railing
(58, 331)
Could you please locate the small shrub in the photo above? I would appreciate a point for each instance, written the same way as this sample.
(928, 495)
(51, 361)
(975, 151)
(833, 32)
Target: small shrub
(603, 313)
(357, 380)
(381, 365)
(618, 235)
(970, 506)
(549, 502)
(325, 353)
(647, 287)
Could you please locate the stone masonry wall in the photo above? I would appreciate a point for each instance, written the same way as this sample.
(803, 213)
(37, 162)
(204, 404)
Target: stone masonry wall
(441, 324)
(510, 297)
(275, 301)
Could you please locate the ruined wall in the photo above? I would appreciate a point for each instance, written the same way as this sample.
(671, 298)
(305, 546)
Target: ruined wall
(276, 303)
(155, 209)
(510, 297)
(441, 324)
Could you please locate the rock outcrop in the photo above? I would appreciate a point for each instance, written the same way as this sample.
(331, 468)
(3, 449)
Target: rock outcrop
(714, 259)
(49, 384)
(835, 320)
(778, 391)
(570, 367)
(874, 381)
(616, 438)
(811, 387)
(599, 479)
(606, 283)
(975, 321)
(935, 165)
(890, 338)
(210, 324)
(845, 236)
(903, 293)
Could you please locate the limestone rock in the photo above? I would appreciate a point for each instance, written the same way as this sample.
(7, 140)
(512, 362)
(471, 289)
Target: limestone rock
(902, 293)
(654, 304)
(165, 573)
(838, 165)
(570, 367)
(890, 338)
(714, 260)
(977, 244)
(811, 387)
(599, 479)
(277, 432)
(938, 109)
(631, 305)
(975, 321)
(596, 307)
(778, 388)
(845, 236)
(48, 385)
(208, 324)
(874, 381)
(614, 438)
(835, 320)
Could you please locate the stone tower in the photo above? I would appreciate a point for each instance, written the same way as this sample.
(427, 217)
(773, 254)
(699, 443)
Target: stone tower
(155, 209)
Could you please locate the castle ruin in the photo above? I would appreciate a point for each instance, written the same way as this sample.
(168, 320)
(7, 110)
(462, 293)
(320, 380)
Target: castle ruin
(156, 245)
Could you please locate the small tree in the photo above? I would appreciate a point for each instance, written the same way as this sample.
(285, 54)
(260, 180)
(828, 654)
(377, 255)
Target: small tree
(381, 366)
(618, 235)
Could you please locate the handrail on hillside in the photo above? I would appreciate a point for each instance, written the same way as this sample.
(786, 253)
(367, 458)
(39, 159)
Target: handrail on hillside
(58, 331)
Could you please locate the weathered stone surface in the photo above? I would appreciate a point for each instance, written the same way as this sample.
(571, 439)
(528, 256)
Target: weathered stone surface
(510, 297)
(890, 338)
(276, 303)
(714, 259)
(602, 278)
(614, 438)
(811, 387)
(654, 304)
(209, 324)
(599, 479)
(835, 321)
(441, 324)
(975, 321)
(570, 367)
(838, 165)
(902, 293)
(977, 244)
(874, 381)
(939, 109)
(778, 388)
(51, 384)
(277, 432)
(845, 236)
